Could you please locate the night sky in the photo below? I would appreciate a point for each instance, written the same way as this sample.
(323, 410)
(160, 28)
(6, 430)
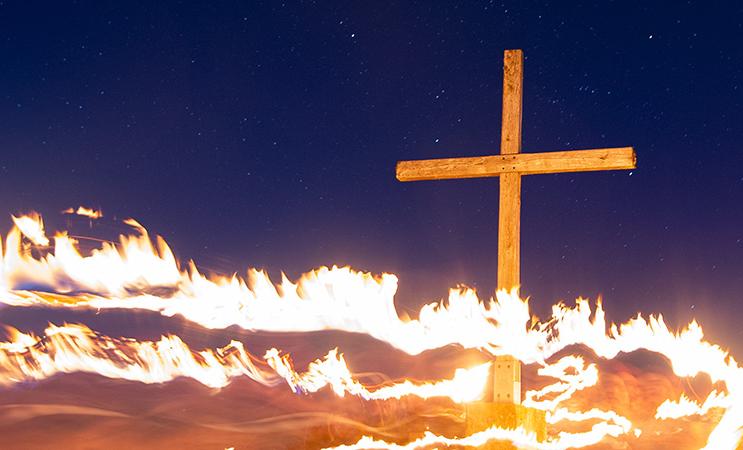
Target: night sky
(265, 134)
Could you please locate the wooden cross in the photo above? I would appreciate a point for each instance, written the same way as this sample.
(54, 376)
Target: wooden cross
(510, 165)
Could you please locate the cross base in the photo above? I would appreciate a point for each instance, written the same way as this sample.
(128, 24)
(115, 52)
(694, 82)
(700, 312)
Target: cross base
(480, 416)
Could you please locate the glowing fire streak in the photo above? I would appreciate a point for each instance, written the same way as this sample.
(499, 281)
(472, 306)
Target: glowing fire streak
(120, 276)
(684, 407)
(583, 377)
(77, 348)
(130, 273)
(85, 212)
(466, 386)
(518, 437)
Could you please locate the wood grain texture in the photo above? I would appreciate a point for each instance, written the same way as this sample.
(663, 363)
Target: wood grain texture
(513, 80)
(509, 210)
(509, 232)
(522, 163)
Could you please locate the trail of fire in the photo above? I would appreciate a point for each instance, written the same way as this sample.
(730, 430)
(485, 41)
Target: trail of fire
(127, 274)
(466, 386)
(130, 273)
(77, 348)
(518, 437)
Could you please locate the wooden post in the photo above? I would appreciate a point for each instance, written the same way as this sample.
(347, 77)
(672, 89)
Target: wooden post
(507, 383)
(509, 210)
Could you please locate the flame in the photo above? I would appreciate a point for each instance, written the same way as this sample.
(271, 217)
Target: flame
(135, 273)
(76, 348)
(518, 437)
(466, 386)
(86, 212)
(32, 226)
(119, 275)
(684, 407)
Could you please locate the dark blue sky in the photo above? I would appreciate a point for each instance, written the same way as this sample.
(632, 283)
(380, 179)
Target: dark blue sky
(266, 134)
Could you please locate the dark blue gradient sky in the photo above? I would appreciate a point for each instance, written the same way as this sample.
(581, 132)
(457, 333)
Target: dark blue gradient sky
(266, 134)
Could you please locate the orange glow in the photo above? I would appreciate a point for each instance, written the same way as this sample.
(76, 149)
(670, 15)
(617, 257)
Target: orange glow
(76, 348)
(128, 274)
(85, 212)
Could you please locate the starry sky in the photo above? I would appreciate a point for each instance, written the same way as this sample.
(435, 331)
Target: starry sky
(265, 134)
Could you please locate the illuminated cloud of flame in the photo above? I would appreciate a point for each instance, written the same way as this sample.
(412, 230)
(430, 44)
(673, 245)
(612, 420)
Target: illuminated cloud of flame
(137, 274)
(467, 384)
(76, 348)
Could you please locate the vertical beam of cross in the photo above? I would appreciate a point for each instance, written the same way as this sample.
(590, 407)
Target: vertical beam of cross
(507, 369)
(509, 210)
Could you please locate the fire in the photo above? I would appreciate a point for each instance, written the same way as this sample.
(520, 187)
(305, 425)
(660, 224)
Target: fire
(466, 386)
(76, 348)
(32, 226)
(141, 273)
(120, 276)
(518, 437)
(671, 409)
(86, 212)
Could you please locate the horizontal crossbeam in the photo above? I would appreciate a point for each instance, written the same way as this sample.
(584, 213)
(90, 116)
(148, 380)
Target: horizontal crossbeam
(522, 163)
